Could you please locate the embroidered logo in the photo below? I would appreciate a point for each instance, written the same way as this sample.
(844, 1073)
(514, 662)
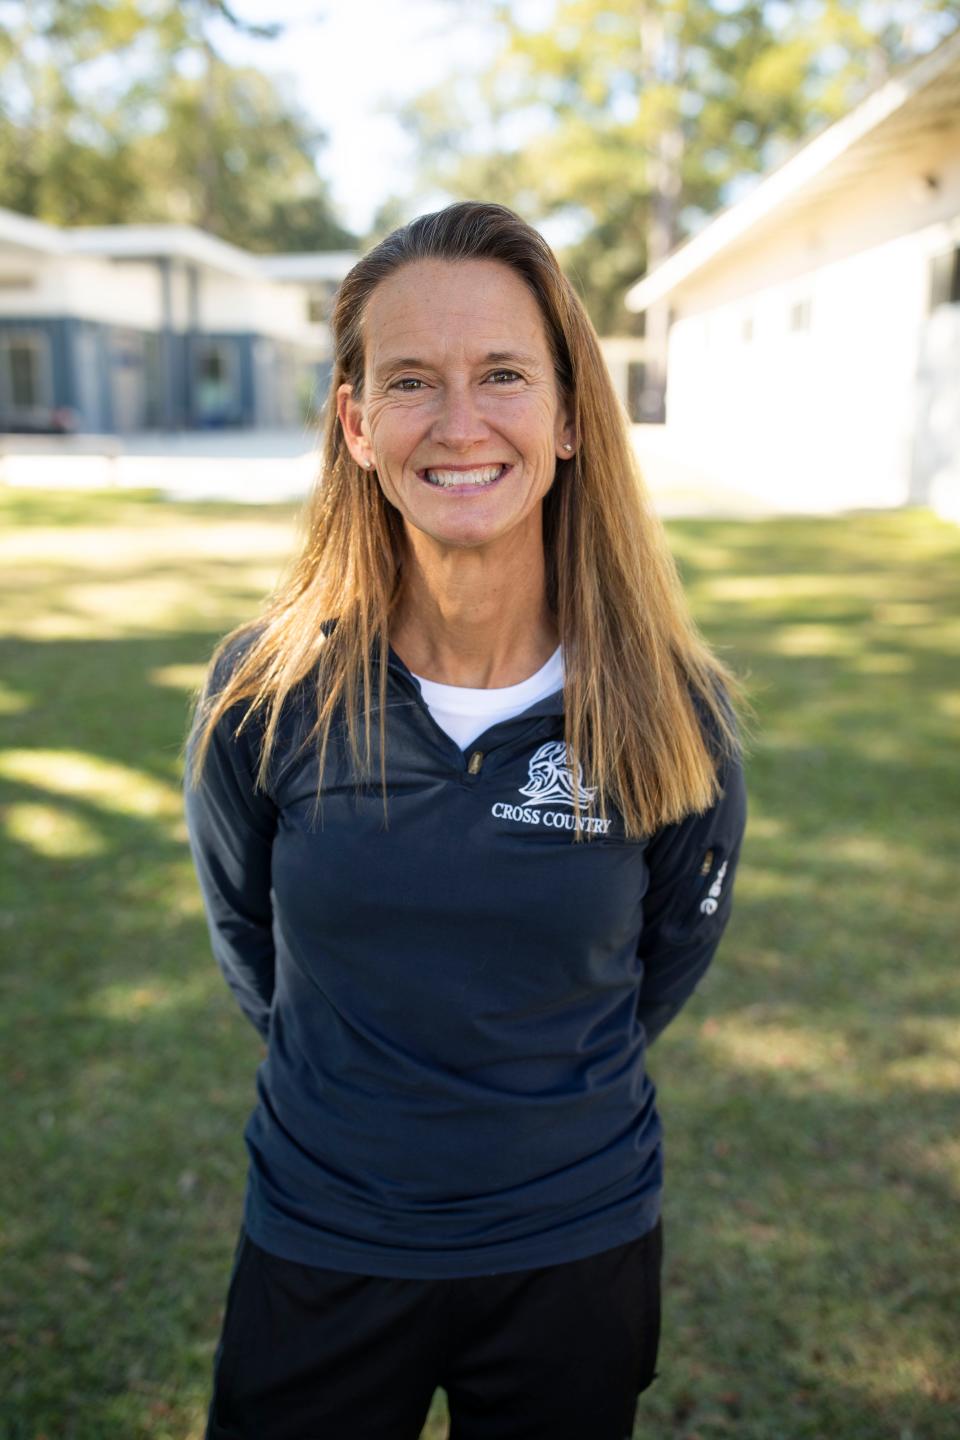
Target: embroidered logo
(709, 905)
(551, 778)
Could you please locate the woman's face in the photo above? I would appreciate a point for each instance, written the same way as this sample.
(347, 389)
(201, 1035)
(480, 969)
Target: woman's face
(460, 414)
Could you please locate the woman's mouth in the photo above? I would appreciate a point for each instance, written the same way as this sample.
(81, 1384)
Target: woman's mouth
(476, 478)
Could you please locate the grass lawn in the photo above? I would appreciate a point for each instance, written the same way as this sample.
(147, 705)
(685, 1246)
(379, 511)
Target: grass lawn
(809, 1092)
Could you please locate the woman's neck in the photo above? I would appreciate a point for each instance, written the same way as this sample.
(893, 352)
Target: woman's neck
(472, 618)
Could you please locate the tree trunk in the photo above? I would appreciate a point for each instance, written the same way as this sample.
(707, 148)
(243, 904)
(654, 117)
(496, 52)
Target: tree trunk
(664, 169)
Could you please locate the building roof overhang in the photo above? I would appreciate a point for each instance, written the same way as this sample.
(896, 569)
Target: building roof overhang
(319, 266)
(21, 235)
(899, 117)
(162, 242)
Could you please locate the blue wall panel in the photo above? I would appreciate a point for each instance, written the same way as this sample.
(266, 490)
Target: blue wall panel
(75, 344)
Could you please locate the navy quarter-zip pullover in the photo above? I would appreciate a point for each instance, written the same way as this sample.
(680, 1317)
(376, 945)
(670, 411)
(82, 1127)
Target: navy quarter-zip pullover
(456, 1005)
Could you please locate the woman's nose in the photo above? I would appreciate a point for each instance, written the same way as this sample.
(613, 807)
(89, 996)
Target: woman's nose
(460, 423)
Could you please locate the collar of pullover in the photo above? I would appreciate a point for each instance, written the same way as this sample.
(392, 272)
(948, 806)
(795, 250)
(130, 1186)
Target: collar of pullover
(549, 705)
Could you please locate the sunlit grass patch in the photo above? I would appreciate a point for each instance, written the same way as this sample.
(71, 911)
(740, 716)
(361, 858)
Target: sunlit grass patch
(905, 612)
(178, 677)
(102, 783)
(50, 831)
(882, 662)
(130, 605)
(924, 1054)
(12, 702)
(947, 702)
(131, 1001)
(819, 639)
(171, 565)
(757, 1044)
(127, 1002)
(784, 591)
(942, 637)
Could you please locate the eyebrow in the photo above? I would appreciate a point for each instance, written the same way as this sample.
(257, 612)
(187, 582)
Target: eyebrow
(492, 357)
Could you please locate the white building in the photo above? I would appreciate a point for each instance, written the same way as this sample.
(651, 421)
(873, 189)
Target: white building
(156, 327)
(814, 350)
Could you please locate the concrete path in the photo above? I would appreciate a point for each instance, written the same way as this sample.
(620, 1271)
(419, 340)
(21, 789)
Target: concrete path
(253, 466)
(260, 466)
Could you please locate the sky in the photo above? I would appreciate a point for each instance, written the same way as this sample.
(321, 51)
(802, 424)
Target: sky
(352, 68)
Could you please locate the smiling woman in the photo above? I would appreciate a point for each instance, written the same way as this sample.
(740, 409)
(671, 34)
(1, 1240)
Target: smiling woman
(465, 439)
(465, 436)
(456, 1171)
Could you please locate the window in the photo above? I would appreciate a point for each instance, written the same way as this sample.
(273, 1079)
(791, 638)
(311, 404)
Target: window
(212, 366)
(945, 278)
(24, 373)
(216, 391)
(24, 362)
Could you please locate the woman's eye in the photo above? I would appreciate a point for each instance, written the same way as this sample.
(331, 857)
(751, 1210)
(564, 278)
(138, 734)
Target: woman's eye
(407, 382)
(503, 377)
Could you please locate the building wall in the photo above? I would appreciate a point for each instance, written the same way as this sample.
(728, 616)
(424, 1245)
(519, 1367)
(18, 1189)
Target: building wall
(935, 474)
(795, 366)
(231, 303)
(85, 287)
(130, 293)
(888, 202)
(161, 344)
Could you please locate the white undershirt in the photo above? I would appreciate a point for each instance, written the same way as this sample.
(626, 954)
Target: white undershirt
(465, 713)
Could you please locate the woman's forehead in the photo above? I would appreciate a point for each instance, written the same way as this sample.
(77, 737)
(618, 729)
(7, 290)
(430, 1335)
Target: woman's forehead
(477, 306)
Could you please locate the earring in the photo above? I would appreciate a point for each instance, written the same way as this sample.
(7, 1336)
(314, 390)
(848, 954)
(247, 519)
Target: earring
(567, 445)
(367, 464)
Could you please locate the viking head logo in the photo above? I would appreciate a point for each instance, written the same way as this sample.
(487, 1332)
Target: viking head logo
(552, 779)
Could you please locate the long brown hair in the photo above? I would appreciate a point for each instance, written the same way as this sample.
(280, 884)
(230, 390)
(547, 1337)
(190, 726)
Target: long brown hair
(645, 713)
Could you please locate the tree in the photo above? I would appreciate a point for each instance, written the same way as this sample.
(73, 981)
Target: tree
(629, 120)
(116, 111)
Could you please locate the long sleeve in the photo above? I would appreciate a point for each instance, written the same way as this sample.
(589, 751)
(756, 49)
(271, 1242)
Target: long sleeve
(686, 909)
(231, 827)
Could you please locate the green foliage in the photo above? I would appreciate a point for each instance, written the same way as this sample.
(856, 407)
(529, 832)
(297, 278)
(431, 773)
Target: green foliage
(125, 112)
(632, 120)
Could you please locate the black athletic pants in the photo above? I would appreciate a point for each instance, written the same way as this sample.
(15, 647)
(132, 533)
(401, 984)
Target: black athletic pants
(556, 1353)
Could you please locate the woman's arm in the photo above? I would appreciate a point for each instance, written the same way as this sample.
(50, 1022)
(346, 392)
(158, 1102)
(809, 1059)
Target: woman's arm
(231, 828)
(692, 867)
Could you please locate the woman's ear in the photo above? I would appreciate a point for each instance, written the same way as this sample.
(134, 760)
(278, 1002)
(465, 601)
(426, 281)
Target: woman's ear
(353, 425)
(566, 440)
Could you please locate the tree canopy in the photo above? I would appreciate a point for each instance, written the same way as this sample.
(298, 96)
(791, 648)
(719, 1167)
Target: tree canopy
(625, 123)
(117, 111)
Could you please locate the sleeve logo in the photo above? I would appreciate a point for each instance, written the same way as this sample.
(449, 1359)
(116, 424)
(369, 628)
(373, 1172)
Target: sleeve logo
(709, 905)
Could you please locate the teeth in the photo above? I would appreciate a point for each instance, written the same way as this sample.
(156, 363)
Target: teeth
(484, 476)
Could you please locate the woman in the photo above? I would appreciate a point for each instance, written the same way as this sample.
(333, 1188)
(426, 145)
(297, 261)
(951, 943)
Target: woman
(465, 805)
